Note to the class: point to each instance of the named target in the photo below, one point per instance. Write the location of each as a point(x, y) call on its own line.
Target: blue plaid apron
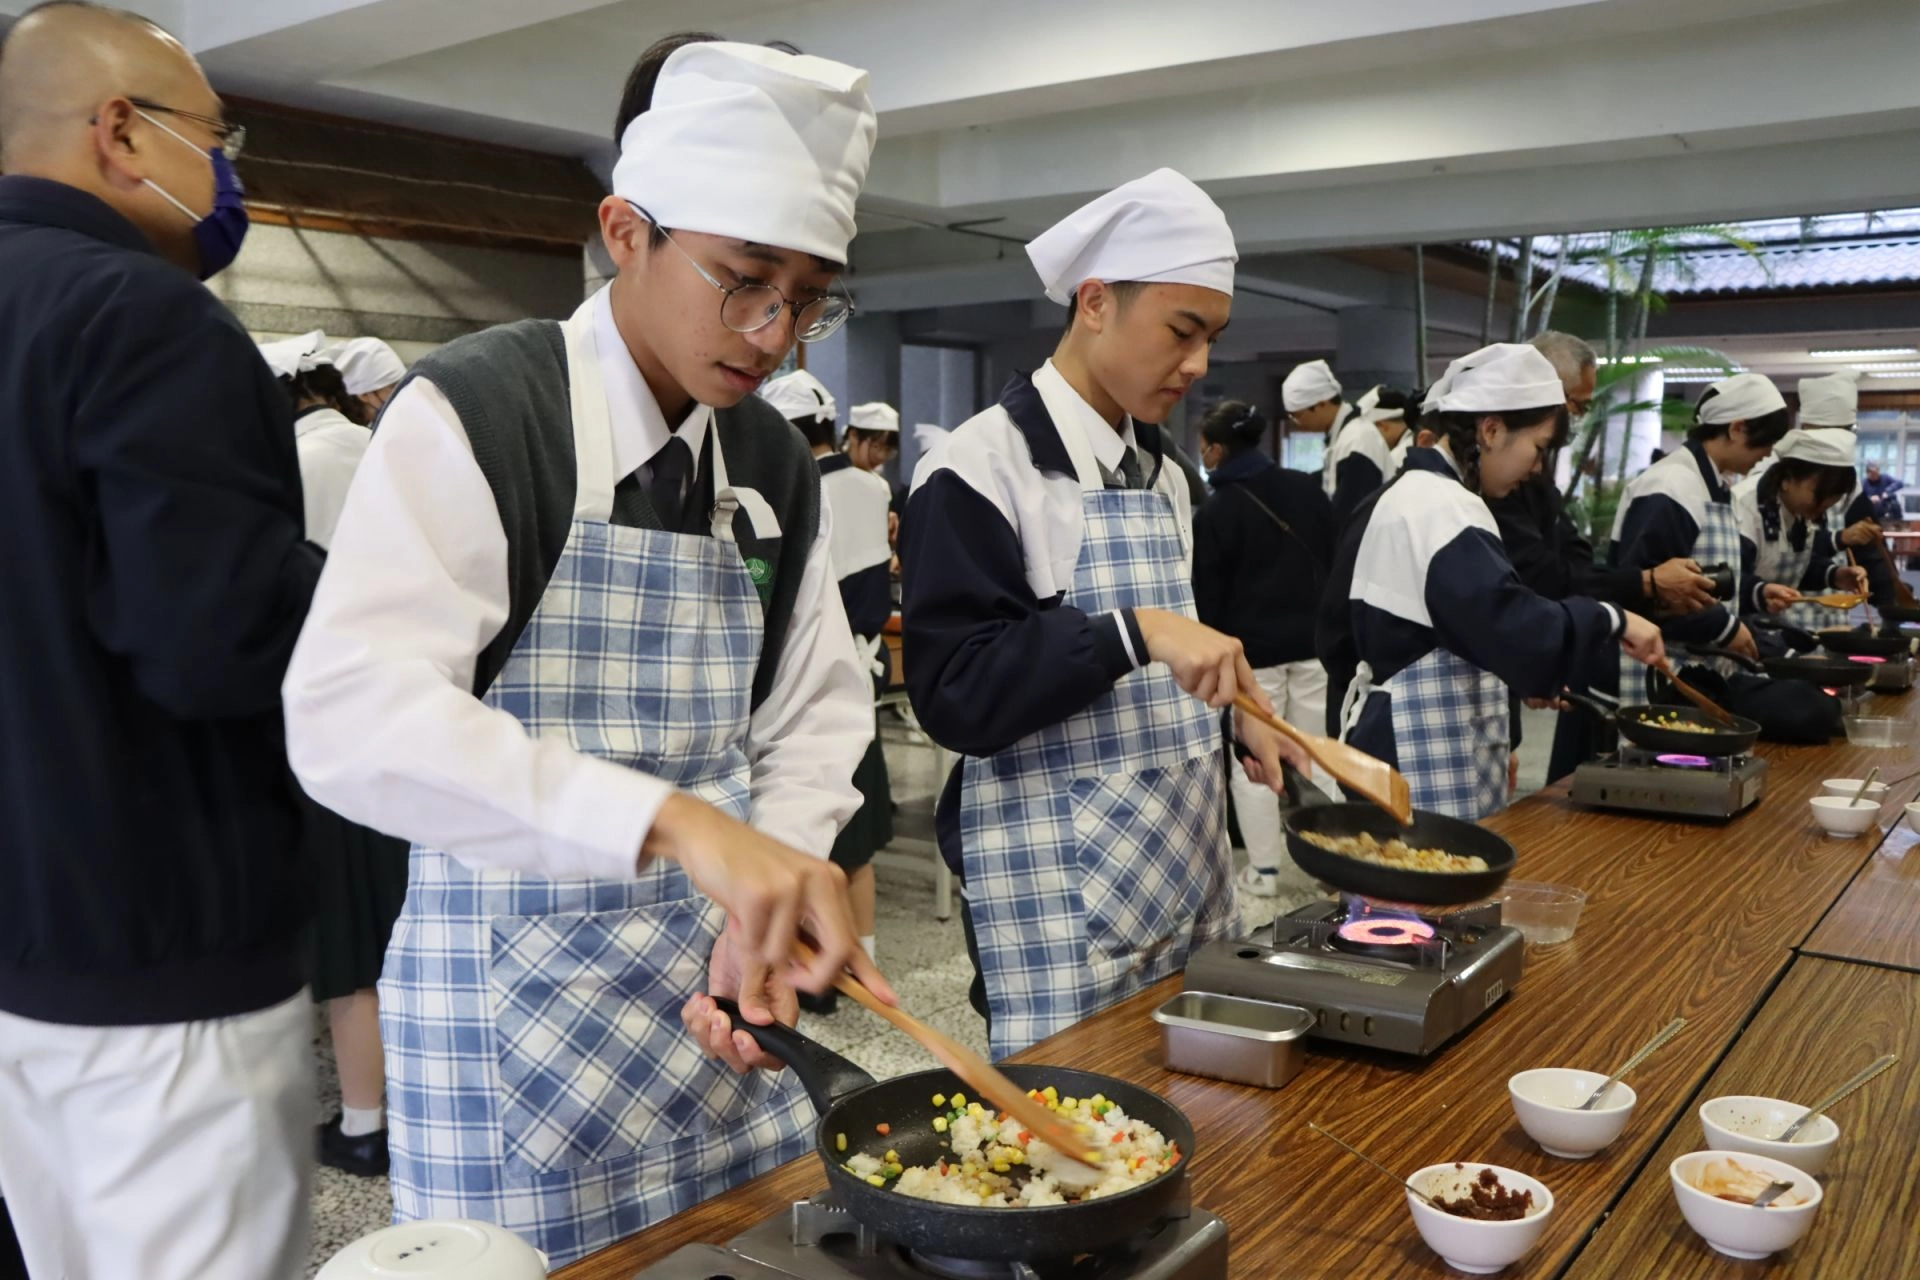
point(1450, 733)
point(1718, 542)
point(537, 1073)
point(1777, 561)
point(1096, 849)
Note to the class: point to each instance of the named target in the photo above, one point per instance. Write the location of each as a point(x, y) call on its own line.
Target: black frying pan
point(1798, 639)
point(1845, 640)
point(1370, 879)
point(850, 1103)
point(1833, 673)
point(1898, 612)
point(1633, 724)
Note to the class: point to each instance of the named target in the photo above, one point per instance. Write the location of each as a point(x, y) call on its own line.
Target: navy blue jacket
point(154, 581)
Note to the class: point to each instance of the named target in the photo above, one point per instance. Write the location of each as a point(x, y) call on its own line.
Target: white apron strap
point(592, 428)
point(1355, 700)
point(727, 500)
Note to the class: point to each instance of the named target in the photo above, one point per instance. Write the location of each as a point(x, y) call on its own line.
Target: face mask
point(217, 236)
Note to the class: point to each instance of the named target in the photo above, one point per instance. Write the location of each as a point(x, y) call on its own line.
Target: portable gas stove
point(818, 1240)
point(1677, 786)
point(1372, 974)
point(1895, 675)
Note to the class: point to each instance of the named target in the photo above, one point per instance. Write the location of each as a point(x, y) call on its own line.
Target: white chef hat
point(289, 356)
point(1823, 448)
point(1308, 385)
point(1160, 229)
point(1831, 400)
point(1498, 378)
point(752, 143)
point(1368, 407)
point(875, 415)
point(366, 364)
point(1741, 398)
point(799, 395)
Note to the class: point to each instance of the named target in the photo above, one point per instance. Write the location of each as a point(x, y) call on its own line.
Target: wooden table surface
point(1826, 1020)
point(1682, 918)
point(1877, 919)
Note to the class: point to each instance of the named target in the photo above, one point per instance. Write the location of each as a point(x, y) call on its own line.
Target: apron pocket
point(594, 1064)
point(1139, 840)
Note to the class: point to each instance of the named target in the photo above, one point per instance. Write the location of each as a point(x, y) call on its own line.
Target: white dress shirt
point(989, 452)
point(382, 723)
point(330, 446)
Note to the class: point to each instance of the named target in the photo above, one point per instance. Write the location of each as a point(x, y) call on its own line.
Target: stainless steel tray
point(1230, 1038)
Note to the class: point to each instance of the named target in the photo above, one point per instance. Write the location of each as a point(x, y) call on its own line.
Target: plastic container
point(1230, 1038)
point(1875, 731)
point(1543, 913)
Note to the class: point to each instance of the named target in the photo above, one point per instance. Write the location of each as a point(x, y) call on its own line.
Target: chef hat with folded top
point(1741, 398)
point(1831, 400)
point(1160, 229)
point(1308, 385)
point(290, 356)
point(875, 415)
point(366, 364)
point(1502, 378)
point(800, 397)
point(1822, 448)
point(1369, 407)
point(754, 144)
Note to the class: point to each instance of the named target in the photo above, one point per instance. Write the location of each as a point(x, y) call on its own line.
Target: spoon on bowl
point(1671, 1030)
point(1430, 1202)
point(1872, 1069)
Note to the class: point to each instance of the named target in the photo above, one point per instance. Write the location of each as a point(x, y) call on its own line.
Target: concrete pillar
point(1374, 345)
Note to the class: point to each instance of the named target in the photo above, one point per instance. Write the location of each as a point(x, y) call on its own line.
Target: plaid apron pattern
point(1777, 561)
point(1717, 543)
point(1096, 849)
point(1450, 732)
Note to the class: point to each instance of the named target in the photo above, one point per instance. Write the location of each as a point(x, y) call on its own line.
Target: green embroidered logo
point(759, 571)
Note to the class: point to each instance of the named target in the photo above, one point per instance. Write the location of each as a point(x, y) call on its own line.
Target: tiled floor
point(925, 958)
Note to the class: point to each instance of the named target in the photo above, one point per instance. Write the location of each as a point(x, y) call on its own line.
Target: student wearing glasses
point(578, 630)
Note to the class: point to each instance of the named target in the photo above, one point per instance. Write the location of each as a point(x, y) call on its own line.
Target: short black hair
point(887, 437)
point(324, 383)
point(1461, 431)
point(1123, 291)
point(1831, 483)
point(818, 431)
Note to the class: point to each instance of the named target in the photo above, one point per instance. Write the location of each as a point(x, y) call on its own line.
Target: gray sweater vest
point(509, 385)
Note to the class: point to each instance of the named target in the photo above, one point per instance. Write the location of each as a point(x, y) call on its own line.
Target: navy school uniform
point(1362, 462)
point(1087, 813)
point(1776, 546)
point(1425, 626)
point(859, 502)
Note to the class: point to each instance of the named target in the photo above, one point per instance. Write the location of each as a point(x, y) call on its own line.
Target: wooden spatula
point(1359, 772)
point(1836, 600)
point(1694, 696)
point(980, 1075)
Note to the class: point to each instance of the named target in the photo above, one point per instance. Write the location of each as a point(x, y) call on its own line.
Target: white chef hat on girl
point(289, 356)
point(1741, 398)
point(800, 396)
point(1161, 229)
point(1495, 379)
point(752, 143)
point(1830, 400)
point(1822, 448)
point(366, 364)
point(875, 415)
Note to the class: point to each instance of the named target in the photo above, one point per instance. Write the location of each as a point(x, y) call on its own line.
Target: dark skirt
point(360, 881)
point(871, 827)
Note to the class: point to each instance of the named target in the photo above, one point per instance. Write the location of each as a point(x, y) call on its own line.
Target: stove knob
point(1346, 1022)
point(1366, 1027)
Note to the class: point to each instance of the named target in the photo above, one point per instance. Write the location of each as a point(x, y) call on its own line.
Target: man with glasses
point(578, 630)
point(156, 1074)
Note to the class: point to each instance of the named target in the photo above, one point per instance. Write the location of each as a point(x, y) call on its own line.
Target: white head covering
point(1161, 229)
point(800, 395)
point(1495, 379)
point(1823, 448)
point(1831, 400)
point(753, 143)
point(875, 415)
point(1741, 398)
point(1308, 385)
point(366, 364)
point(289, 356)
point(1368, 407)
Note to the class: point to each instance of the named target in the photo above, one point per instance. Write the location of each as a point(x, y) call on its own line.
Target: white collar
point(1069, 410)
point(314, 419)
point(639, 428)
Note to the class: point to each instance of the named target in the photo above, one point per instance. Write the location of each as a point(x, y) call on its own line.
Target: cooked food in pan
point(1394, 852)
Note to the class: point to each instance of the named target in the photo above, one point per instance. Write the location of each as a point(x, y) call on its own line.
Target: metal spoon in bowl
point(1873, 1069)
point(1430, 1202)
point(1873, 775)
point(1773, 1192)
point(1672, 1029)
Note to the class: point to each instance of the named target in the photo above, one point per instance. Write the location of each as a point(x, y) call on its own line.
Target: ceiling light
point(1851, 353)
point(1896, 373)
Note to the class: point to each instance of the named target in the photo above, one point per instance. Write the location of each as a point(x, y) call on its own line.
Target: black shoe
point(364, 1156)
point(819, 1005)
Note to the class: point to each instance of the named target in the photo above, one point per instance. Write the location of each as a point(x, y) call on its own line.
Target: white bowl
point(1740, 1230)
point(1740, 1123)
point(1839, 816)
point(1913, 815)
point(1845, 787)
point(1467, 1244)
point(1547, 1101)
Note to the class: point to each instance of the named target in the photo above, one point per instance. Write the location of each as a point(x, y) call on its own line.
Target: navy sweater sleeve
point(1880, 579)
point(1658, 529)
point(1482, 611)
point(1355, 478)
point(1214, 551)
point(986, 662)
point(201, 578)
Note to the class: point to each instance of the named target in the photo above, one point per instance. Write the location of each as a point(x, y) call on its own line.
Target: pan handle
point(1590, 704)
point(1715, 651)
point(827, 1077)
